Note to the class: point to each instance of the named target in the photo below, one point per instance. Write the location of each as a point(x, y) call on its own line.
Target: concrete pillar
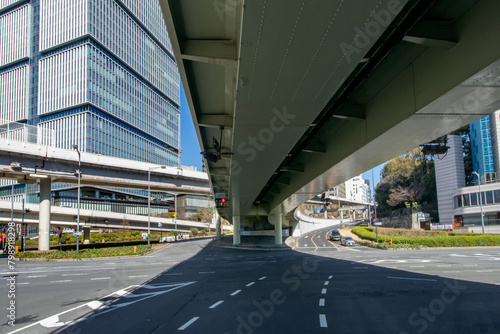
point(278, 232)
point(44, 215)
point(217, 226)
point(236, 232)
point(86, 235)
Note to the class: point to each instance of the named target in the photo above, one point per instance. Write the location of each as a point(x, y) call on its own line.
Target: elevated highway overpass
point(66, 217)
point(303, 95)
point(29, 163)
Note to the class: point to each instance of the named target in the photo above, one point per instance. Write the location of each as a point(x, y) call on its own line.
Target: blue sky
point(189, 142)
point(191, 149)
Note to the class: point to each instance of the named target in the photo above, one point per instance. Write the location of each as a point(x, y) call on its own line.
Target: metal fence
point(110, 205)
point(24, 133)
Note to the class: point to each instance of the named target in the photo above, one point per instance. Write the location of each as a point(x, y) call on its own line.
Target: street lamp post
point(75, 147)
point(149, 202)
point(480, 198)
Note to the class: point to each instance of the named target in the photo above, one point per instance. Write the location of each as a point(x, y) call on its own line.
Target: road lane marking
point(323, 291)
point(322, 320)
point(322, 302)
point(334, 244)
point(138, 276)
point(187, 324)
point(417, 266)
point(81, 274)
point(263, 277)
point(412, 278)
point(217, 304)
point(173, 274)
point(359, 267)
point(330, 277)
point(22, 283)
point(250, 284)
point(61, 281)
point(484, 271)
point(99, 278)
point(206, 272)
point(327, 282)
point(36, 276)
point(235, 293)
point(314, 242)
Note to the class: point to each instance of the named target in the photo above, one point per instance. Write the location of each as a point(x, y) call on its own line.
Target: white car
point(347, 241)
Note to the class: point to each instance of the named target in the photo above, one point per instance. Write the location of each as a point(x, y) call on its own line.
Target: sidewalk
point(251, 243)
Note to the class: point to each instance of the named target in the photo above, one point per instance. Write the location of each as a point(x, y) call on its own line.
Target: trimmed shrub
point(452, 240)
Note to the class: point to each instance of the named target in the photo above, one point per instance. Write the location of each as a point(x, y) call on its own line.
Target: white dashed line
point(217, 304)
point(322, 320)
point(330, 277)
point(36, 276)
point(82, 274)
point(61, 281)
point(417, 266)
point(187, 324)
point(263, 277)
point(22, 283)
point(327, 282)
point(250, 284)
point(323, 291)
point(173, 274)
point(99, 278)
point(206, 272)
point(484, 271)
point(235, 293)
point(413, 279)
point(322, 302)
point(138, 276)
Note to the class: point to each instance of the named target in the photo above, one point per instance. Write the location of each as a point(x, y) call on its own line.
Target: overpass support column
point(217, 225)
point(236, 232)
point(278, 229)
point(44, 215)
point(86, 235)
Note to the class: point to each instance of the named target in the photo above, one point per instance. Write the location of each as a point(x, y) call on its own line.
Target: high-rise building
point(482, 146)
point(101, 73)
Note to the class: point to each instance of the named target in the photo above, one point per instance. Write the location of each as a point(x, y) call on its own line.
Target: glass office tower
point(482, 146)
point(99, 72)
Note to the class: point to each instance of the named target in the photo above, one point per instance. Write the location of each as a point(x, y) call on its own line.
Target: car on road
point(335, 235)
point(347, 241)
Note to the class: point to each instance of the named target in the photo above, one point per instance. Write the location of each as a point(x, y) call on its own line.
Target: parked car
point(347, 241)
point(334, 235)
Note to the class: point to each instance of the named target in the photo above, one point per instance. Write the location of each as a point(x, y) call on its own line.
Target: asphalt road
point(307, 290)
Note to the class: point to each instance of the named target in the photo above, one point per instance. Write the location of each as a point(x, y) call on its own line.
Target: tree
point(205, 216)
point(407, 179)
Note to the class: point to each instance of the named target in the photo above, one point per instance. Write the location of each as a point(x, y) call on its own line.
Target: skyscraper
point(482, 146)
point(99, 72)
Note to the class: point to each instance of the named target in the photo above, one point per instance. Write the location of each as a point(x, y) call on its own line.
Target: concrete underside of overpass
point(305, 95)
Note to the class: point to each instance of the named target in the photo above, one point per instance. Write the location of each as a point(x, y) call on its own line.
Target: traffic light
point(220, 202)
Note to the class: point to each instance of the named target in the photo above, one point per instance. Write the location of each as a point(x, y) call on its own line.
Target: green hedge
point(85, 253)
point(452, 240)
